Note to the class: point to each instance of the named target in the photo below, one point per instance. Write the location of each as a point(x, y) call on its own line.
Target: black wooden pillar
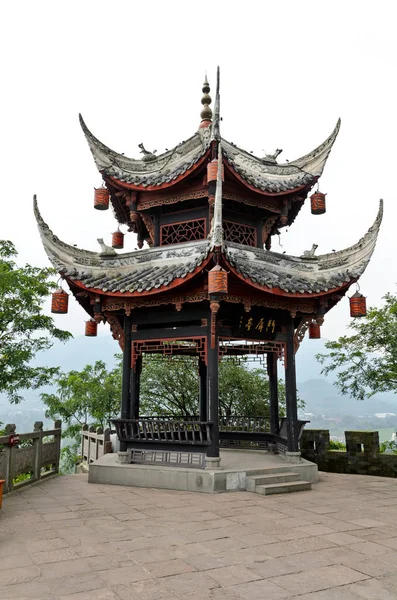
point(125, 389)
point(135, 388)
point(290, 389)
point(203, 391)
point(273, 393)
point(213, 388)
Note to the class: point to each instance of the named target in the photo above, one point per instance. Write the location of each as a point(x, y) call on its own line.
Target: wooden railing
point(164, 430)
point(234, 432)
point(35, 454)
point(95, 442)
point(232, 423)
point(242, 423)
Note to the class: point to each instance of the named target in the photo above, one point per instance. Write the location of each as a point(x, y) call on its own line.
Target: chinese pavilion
point(204, 281)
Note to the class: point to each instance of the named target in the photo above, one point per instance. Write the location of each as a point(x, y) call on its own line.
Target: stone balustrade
point(95, 442)
point(35, 454)
point(362, 455)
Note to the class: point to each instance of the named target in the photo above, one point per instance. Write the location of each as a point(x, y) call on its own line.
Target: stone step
point(253, 480)
point(283, 488)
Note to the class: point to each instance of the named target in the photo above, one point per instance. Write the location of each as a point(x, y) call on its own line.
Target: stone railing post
point(84, 442)
point(99, 432)
point(91, 429)
point(10, 430)
point(107, 444)
point(58, 441)
point(38, 450)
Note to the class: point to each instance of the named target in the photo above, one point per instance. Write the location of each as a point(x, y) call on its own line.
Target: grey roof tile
point(145, 270)
point(165, 168)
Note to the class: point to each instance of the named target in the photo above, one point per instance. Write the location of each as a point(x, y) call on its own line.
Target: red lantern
point(317, 201)
point(118, 240)
point(91, 328)
point(314, 331)
point(358, 305)
point(217, 281)
point(212, 171)
point(59, 302)
point(101, 198)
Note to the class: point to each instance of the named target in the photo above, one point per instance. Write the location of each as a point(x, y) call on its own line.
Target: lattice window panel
point(186, 231)
point(239, 233)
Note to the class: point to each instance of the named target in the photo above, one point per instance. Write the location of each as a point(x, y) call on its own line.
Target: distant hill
point(321, 397)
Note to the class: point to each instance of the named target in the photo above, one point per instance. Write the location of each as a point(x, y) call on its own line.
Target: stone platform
point(236, 466)
point(66, 539)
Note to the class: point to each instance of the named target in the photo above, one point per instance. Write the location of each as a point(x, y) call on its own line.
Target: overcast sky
point(134, 70)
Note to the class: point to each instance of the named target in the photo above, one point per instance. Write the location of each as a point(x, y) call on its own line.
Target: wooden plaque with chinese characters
point(259, 323)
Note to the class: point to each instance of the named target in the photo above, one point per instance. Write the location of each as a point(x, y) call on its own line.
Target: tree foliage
point(366, 362)
point(171, 386)
point(88, 396)
point(167, 387)
point(24, 329)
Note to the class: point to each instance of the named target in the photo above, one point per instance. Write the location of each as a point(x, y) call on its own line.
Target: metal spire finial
point(206, 112)
point(215, 127)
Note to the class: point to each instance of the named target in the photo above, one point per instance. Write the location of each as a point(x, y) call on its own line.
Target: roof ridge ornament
point(216, 233)
point(272, 158)
point(206, 111)
point(147, 156)
point(310, 253)
point(216, 135)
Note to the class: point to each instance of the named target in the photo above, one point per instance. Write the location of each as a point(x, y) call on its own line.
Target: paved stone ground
point(66, 539)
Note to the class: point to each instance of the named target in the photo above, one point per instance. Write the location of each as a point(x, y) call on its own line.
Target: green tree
point(88, 396)
point(171, 386)
point(81, 397)
point(245, 391)
point(366, 362)
point(24, 329)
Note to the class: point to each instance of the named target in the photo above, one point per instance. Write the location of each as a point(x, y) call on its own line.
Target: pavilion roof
point(158, 269)
point(164, 170)
point(303, 275)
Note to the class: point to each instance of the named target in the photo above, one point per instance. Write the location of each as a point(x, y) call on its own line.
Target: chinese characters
point(261, 325)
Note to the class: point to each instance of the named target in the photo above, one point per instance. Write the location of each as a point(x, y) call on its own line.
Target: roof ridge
point(216, 234)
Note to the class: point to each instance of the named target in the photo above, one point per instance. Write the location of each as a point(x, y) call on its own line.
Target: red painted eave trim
point(276, 291)
point(164, 288)
point(151, 188)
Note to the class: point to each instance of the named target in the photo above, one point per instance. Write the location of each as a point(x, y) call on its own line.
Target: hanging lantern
point(217, 281)
point(317, 201)
point(212, 171)
point(314, 331)
point(101, 198)
point(91, 328)
point(118, 240)
point(59, 302)
point(358, 305)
